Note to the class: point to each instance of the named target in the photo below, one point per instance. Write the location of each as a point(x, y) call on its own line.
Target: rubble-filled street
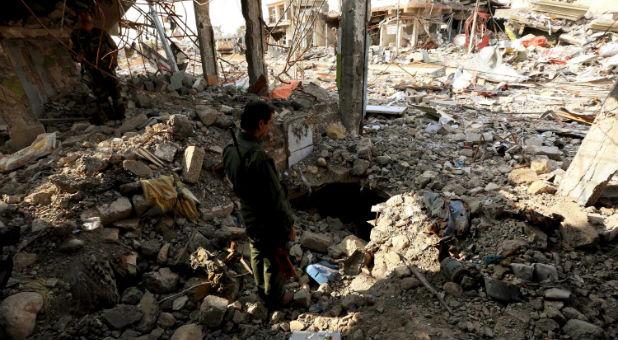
point(454, 212)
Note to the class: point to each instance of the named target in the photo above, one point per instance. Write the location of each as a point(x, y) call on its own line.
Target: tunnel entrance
point(349, 202)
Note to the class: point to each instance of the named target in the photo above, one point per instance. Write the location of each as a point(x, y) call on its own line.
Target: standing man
point(98, 55)
point(265, 210)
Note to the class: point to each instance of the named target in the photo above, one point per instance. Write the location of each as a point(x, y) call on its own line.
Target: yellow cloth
point(163, 192)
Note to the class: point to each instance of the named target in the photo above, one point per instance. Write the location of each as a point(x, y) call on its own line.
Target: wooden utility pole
point(206, 35)
point(398, 36)
point(254, 40)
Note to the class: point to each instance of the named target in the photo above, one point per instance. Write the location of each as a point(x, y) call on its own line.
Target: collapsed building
point(452, 166)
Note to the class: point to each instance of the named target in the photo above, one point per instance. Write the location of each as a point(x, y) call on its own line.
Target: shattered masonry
point(476, 198)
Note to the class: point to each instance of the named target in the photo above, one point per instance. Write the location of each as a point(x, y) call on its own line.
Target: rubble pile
point(472, 240)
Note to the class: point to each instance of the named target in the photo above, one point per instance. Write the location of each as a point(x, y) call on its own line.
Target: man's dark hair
point(253, 113)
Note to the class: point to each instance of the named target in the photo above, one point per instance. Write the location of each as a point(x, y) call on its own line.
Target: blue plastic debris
point(322, 272)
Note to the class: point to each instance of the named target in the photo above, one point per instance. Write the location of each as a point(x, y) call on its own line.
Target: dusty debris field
point(98, 259)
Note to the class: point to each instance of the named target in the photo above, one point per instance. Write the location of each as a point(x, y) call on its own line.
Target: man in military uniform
point(98, 55)
point(265, 211)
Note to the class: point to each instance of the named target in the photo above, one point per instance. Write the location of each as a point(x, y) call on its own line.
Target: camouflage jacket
point(264, 205)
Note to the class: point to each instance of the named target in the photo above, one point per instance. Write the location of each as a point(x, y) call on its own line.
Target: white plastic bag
point(43, 145)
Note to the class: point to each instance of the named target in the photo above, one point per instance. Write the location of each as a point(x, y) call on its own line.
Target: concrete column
point(20, 98)
point(206, 37)
point(355, 15)
point(414, 37)
point(254, 40)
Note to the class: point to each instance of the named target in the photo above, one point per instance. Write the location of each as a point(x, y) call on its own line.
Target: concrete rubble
point(494, 130)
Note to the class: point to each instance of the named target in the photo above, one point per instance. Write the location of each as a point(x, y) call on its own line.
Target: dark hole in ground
point(347, 201)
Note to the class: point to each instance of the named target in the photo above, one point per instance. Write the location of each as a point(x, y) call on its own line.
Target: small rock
point(523, 176)
point(579, 329)
point(166, 320)
point(509, 247)
point(163, 253)
point(540, 166)
point(18, 314)
point(296, 326)
point(557, 294)
point(321, 162)
point(277, 316)
point(115, 211)
point(191, 331)
point(547, 325)
point(257, 311)
point(137, 168)
point(180, 303)
point(360, 166)
point(131, 296)
point(314, 241)
point(409, 283)
point(213, 310)
point(523, 271)
point(545, 272)
point(303, 297)
point(453, 289)
point(492, 187)
point(162, 281)
point(541, 187)
point(166, 152)
point(572, 313)
point(151, 247)
point(122, 316)
point(207, 114)
point(150, 309)
point(181, 125)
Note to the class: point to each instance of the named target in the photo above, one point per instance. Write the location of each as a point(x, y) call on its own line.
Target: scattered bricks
point(523, 176)
point(194, 158)
point(207, 114)
point(541, 187)
point(115, 211)
point(314, 241)
point(540, 166)
point(161, 282)
point(137, 168)
point(213, 310)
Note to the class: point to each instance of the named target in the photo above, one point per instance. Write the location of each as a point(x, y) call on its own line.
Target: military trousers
point(268, 279)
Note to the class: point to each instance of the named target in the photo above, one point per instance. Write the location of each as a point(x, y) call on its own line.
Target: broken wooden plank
point(596, 160)
point(386, 110)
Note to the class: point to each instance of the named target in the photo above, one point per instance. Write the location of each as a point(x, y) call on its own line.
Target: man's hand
point(292, 236)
